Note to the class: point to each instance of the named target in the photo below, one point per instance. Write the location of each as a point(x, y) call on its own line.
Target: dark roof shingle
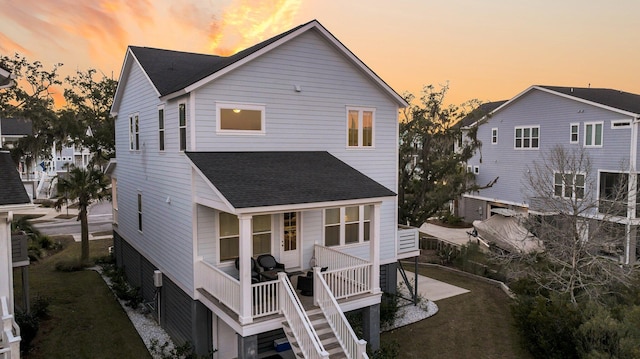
point(16, 127)
point(613, 98)
point(11, 188)
point(257, 179)
point(479, 113)
point(171, 71)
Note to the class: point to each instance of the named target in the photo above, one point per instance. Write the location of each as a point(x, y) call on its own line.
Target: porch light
point(236, 110)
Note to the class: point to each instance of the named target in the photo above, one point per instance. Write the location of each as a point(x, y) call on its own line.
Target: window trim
point(577, 126)
point(361, 110)
point(476, 170)
point(563, 188)
point(593, 133)
point(522, 138)
point(494, 136)
point(134, 132)
point(241, 106)
point(182, 136)
point(272, 230)
point(162, 138)
point(343, 223)
point(620, 124)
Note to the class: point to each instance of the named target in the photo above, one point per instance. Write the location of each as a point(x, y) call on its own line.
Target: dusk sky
point(489, 50)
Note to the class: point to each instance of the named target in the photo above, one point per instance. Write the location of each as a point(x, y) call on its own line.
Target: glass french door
point(290, 243)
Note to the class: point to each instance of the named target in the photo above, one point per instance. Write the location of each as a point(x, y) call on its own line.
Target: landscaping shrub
point(184, 351)
point(29, 325)
point(388, 309)
point(70, 265)
point(120, 287)
point(390, 350)
point(40, 306)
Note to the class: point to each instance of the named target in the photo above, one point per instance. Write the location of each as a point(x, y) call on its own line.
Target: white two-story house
point(521, 131)
point(288, 149)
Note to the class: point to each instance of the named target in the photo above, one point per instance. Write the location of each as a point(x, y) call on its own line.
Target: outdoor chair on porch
point(305, 283)
point(270, 266)
point(255, 270)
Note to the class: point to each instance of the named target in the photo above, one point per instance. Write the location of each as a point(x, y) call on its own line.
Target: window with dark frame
point(161, 129)
point(182, 110)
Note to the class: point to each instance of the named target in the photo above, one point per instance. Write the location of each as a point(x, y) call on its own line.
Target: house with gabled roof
point(602, 122)
point(13, 197)
point(286, 151)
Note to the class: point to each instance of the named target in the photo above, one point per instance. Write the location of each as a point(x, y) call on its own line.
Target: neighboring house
point(604, 122)
point(287, 148)
point(6, 78)
point(12, 197)
point(37, 173)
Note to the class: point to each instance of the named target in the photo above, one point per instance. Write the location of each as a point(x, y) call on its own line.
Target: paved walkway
point(431, 289)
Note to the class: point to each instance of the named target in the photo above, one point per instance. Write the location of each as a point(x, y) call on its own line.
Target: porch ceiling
point(263, 179)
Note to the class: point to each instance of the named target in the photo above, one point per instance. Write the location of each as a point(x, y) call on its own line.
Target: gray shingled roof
point(16, 127)
point(613, 98)
point(257, 179)
point(171, 71)
point(11, 188)
point(479, 113)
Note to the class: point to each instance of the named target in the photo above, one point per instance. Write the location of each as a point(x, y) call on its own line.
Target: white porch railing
point(329, 257)
point(354, 347)
point(265, 298)
point(10, 336)
point(347, 275)
point(300, 325)
point(222, 286)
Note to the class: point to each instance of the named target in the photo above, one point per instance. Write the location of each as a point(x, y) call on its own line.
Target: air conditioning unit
point(157, 278)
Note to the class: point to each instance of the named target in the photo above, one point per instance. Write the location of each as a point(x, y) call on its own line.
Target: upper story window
point(161, 128)
point(140, 212)
point(568, 185)
point(494, 136)
point(593, 134)
point(182, 125)
point(134, 132)
point(347, 225)
point(574, 133)
point(360, 127)
point(527, 137)
point(616, 124)
point(240, 118)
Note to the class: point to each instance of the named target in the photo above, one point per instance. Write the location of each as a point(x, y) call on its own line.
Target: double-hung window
point(568, 185)
point(347, 225)
point(229, 235)
point(161, 128)
point(527, 137)
point(134, 132)
point(574, 133)
point(360, 123)
point(182, 125)
point(237, 118)
point(494, 136)
point(593, 134)
point(140, 212)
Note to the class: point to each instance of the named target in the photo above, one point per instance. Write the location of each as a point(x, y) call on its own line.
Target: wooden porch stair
point(325, 334)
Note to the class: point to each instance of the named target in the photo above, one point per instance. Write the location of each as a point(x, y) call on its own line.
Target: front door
point(290, 242)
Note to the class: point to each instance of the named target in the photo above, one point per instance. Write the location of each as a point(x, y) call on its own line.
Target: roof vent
point(572, 90)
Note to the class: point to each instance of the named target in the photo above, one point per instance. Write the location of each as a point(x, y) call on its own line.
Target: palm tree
point(86, 186)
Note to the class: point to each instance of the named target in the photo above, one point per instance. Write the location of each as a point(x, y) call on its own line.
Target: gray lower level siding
point(184, 319)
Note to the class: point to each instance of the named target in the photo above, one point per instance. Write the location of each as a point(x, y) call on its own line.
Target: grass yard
point(477, 324)
point(85, 320)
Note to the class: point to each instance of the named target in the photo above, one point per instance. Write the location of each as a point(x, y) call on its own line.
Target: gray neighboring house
point(6, 78)
point(12, 197)
point(514, 134)
point(286, 149)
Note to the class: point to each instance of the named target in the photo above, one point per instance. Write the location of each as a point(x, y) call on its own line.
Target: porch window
point(230, 236)
point(613, 193)
point(568, 185)
point(347, 225)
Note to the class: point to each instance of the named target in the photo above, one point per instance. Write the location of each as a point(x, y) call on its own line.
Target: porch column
point(245, 251)
point(6, 273)
point(374, 249)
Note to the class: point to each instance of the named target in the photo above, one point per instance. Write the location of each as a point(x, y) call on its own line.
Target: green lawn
point(85, 320)
point(477, 324)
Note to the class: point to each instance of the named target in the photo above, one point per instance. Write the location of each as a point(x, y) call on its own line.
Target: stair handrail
point(354, 348)
point(295, 314)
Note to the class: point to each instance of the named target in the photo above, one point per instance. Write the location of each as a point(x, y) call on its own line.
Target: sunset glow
point(490, 50)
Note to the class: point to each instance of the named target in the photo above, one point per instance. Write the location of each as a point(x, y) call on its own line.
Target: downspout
point(633, 185)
